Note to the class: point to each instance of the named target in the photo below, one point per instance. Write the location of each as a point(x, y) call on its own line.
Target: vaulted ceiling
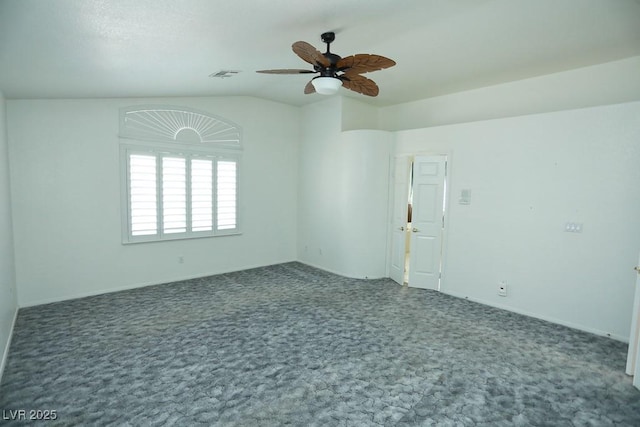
point(150, 48)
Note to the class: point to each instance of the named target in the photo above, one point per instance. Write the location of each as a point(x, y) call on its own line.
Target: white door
point(633, 358)
point(399, 218)
point(427, 221)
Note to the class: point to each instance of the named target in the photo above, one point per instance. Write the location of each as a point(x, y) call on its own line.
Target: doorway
point(633, 355)
point(418, 220)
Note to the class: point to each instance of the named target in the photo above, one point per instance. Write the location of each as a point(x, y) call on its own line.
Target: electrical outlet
point(502, 289)
point(573, 227)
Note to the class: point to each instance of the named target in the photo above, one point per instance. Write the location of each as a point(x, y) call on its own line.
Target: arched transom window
point(180, 172)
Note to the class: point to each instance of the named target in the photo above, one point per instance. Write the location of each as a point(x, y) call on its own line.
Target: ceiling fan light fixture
point(329, 66)
point(326, 85)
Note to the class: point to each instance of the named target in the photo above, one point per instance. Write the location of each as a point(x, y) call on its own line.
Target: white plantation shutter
point(226, 195)
point(172, 196)
point(143, 198)
point(201, 195)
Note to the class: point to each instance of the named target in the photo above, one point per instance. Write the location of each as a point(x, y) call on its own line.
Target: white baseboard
point(537, 316)
point(339, 273)
point(454, 294)
point(5, 353)
point(136, 285)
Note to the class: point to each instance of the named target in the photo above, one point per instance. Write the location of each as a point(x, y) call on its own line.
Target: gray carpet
point(293, 345)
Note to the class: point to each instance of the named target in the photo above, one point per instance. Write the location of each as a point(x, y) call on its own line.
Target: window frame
point(159, 149)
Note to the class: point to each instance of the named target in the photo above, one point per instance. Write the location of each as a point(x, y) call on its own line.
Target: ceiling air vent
point(224, 74)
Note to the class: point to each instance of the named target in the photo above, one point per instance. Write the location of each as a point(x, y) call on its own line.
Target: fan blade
point(364, 63)
point(285, 71)
point(309, 88)
point(360, 84)
point(310, 54)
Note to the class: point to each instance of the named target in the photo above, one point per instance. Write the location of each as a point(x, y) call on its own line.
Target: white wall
point(610, 83)
point(343, 191)
point(318, 227)
point(358, 115)
point(362, 180)
point(528, 176)
point(8, 303)
point(65, 177)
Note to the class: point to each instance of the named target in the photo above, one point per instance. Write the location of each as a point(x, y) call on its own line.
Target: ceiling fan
point(335, 71)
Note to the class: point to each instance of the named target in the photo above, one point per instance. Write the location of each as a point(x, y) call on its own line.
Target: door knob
point(401, 229)
point(415, 230)
point(637, 268)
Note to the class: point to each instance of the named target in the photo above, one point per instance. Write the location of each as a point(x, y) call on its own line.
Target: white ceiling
point(149, 48)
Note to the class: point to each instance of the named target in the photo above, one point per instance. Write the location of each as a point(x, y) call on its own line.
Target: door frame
point(447, 206)
point(633, 354)
point(408, 161)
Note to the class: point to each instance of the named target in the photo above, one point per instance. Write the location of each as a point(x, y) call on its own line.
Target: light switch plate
point(465, 197)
